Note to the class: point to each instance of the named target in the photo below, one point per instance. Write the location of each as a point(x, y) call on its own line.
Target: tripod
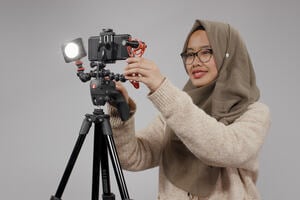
point(102, 90)
point(103, 140)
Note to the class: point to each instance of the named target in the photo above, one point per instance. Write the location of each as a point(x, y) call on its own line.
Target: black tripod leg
point(85, 127)
point(115, 159)
point(101, 156)
point(96, 163)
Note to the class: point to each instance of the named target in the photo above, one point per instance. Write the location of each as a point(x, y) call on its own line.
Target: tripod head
point(103, 88)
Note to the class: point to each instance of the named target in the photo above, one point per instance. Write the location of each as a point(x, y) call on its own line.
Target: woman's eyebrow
point(202, 47)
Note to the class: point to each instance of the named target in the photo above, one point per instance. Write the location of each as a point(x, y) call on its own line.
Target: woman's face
point(200, 72)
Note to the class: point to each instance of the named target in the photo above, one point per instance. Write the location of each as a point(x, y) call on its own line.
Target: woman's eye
point(205, 52)
point(189, 54)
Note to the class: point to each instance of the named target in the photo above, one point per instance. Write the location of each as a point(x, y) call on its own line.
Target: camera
point(108, 47)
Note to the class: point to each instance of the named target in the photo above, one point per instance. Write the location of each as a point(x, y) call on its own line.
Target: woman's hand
point(145, 71)
point(120, 87)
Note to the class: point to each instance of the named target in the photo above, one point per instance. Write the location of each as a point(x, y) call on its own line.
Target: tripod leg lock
point(86, 125)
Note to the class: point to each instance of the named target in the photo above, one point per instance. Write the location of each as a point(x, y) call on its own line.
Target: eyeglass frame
point(194, 54)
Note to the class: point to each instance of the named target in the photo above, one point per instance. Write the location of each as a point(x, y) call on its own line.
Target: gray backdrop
point(43, 102)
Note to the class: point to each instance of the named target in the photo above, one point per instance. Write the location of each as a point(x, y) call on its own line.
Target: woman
point(207, 137)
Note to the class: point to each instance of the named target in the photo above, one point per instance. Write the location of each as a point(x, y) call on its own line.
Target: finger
point(140, 71)
point(140, 65)
point(119, 87)
point(140, 62)
point(133, 59)
point(122, 89)
point(133, 78)
point(132, 65)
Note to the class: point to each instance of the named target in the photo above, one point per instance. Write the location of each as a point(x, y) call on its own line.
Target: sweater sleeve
point(137, 150)
point(211, 141)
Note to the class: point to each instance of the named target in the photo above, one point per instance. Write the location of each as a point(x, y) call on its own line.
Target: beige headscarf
point(225, 99)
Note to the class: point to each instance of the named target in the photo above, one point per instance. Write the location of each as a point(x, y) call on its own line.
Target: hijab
point(225, 99)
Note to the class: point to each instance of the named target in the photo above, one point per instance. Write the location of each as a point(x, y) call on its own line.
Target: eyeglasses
point(204, 55)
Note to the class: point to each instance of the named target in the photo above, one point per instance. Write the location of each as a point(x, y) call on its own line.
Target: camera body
point(108, 47)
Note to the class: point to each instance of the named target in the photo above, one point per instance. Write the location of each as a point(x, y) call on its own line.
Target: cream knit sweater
point(235, 147)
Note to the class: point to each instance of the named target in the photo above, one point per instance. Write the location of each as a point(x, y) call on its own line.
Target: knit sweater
point(234, 147)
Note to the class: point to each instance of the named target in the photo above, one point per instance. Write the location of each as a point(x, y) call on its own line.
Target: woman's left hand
point(145, 71)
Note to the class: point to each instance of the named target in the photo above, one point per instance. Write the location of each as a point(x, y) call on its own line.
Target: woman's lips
point(198, 73)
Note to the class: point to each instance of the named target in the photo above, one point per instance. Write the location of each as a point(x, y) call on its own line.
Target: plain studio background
point(43, 102)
